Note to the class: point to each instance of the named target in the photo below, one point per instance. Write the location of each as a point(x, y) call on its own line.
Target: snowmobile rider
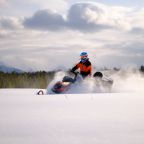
point(84, 65)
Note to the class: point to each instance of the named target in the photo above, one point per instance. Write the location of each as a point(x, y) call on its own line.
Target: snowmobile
point(66, 83)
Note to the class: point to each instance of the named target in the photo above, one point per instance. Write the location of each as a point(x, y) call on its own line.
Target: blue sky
point(46, 35)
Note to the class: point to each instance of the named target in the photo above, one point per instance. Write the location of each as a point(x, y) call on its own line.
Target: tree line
point(39, 79)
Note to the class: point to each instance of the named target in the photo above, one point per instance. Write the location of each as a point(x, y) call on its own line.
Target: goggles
point(83, 57)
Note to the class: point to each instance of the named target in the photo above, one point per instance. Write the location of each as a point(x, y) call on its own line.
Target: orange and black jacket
point(85, 68)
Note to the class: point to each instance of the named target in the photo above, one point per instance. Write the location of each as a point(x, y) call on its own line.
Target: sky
point(50, 35)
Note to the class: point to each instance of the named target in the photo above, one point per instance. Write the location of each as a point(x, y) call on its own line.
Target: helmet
point(84, 56)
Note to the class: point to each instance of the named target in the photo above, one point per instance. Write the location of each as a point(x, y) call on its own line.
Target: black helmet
point(98, 74)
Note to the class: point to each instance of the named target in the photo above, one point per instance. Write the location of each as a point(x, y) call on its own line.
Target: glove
point(70, 71)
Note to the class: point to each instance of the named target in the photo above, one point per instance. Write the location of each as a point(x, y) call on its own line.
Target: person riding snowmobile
point(84, 65)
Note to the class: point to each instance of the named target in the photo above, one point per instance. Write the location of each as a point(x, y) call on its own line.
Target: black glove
point(70, 71)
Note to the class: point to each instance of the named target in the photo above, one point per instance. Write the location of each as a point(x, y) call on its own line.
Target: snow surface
point(102, 118)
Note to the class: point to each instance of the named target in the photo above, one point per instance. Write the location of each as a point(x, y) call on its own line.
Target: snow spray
point(128, 81)
point(124, 80)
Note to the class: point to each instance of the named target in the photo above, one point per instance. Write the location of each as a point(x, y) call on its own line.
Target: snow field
point(102, 118)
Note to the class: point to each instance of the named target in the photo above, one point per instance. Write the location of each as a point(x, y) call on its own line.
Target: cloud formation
point(87, 17)
point(45, 20)
point(81, 16)
point(10, 23)
point(84, 17)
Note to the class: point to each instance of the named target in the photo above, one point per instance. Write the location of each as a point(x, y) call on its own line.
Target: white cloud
point(45, 19)
point(10, 23)
point(88, 17)
point(136, 18)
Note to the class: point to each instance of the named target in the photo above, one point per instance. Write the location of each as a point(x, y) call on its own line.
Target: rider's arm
point(75, 67)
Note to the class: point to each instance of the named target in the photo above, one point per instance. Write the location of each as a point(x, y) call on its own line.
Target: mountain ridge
point(8, 69)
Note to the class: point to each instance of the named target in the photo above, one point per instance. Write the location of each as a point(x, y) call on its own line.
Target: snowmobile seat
point(68, 79)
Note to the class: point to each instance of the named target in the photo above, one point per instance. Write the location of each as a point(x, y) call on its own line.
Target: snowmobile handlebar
point(74, 72)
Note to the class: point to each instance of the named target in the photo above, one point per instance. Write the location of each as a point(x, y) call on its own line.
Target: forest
point(26, 79)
